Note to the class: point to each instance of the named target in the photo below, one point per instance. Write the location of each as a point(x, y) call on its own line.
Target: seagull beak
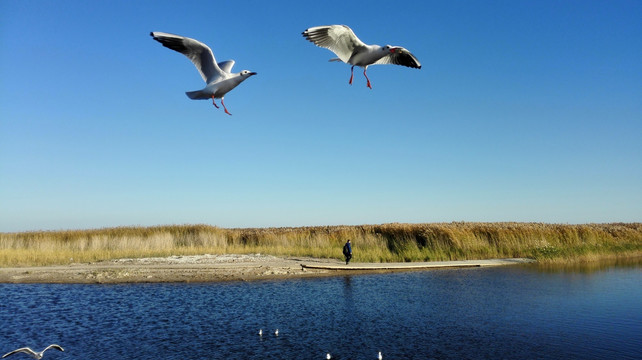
point(252, 73)
point(392, 51)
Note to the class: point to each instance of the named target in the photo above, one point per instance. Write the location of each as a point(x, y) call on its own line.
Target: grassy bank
point(371, 243)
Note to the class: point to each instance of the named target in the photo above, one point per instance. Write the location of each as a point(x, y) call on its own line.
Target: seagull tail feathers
point(198, 95)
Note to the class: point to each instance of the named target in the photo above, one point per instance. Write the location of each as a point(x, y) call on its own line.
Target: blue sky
point(522, 111)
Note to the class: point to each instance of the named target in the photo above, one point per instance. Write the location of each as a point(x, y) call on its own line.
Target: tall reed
point(371, 243)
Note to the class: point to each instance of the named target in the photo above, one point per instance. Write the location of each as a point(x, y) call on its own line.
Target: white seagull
point(33, 354)
point(218, 77)
point(342, 41)
point(380, 357)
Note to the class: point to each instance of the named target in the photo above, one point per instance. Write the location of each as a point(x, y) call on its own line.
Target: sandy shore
point(208, 268)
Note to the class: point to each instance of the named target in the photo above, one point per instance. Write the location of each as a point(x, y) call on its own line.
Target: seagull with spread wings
point(217, 76)
point(342, 41)
point(33, 354)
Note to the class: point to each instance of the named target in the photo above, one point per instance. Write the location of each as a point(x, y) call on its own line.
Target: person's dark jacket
point(347, 249)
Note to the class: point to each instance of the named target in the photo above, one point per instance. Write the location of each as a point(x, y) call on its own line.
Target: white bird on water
point(342, 41)
point(276, 332)
point(380, 357)
point(33, 354)
point(260, 332)
point(217, 76)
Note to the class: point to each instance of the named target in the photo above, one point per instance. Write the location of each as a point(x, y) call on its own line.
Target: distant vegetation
point(371, 243)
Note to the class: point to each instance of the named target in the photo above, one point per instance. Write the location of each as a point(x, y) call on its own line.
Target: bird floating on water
point(260, 332)
point(342, 41)
point(328, 356)
point(217, 76)
point(380, 357)
point(276, 332)
point(33, 354)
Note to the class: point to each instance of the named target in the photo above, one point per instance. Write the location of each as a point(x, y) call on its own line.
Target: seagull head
point(246, 74)
point(389, 49)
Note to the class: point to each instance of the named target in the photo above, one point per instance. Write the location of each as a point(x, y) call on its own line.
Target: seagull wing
point(339, 39)
point(200, 54)
point(400, 56)
point(25, 350)
point(54, 346)
point(226, 66)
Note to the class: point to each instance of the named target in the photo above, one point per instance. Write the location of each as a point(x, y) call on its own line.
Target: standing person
point(347, 251)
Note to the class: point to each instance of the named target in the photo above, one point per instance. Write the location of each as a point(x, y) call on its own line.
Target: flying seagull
point(342, 41)
point(33, 354)
point(217, 76)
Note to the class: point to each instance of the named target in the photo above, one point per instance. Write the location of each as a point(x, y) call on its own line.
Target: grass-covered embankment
point(371, 243)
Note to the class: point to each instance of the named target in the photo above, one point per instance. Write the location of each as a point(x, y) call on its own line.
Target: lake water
point(511, 312)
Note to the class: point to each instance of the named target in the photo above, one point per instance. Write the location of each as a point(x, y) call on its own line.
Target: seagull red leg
point(222, 103)
point(351, 74)
point(364, 74)
point(214, 102)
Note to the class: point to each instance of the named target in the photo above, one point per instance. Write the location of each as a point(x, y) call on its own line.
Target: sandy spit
point(195, 268)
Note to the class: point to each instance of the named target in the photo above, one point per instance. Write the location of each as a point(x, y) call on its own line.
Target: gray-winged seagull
point(342, 41)
point(218, 77)
point(33, 354)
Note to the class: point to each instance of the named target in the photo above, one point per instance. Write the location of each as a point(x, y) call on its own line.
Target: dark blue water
point(495, 313)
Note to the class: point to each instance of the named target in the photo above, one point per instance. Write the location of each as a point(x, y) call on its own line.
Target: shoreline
point(215, 268)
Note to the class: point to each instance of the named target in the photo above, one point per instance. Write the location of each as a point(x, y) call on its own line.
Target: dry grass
point(372, 243)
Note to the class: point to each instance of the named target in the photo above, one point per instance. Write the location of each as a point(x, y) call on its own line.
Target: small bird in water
point(380, 357)
point(217, 76)
point(276, 332)
point(342, 41)
point(328, 356)
point(260, 332)
point(33, 354)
